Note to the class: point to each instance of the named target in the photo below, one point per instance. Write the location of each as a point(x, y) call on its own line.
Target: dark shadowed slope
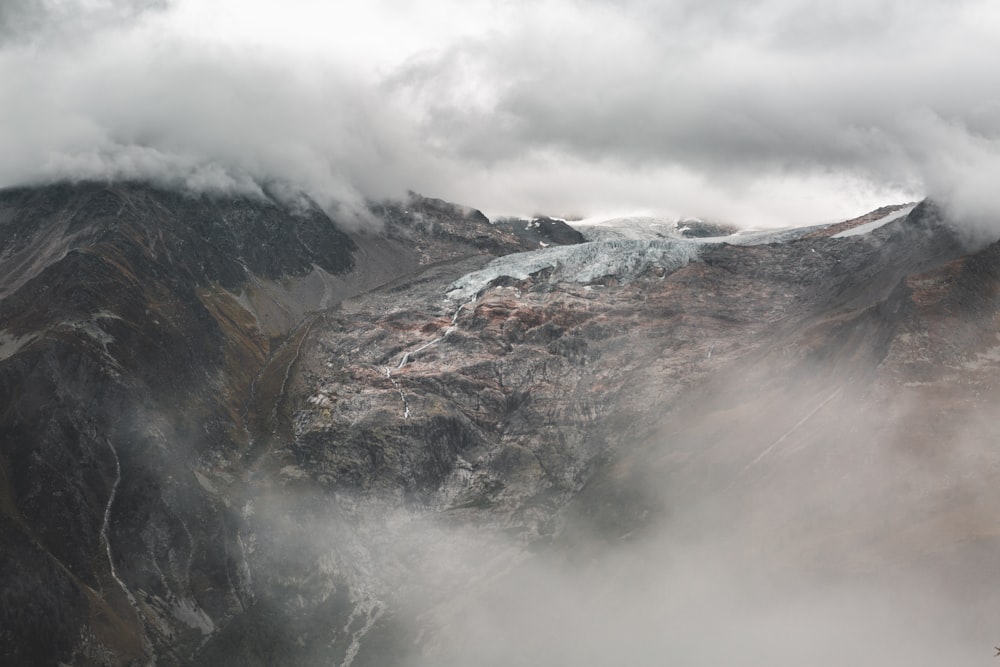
point(134, 324)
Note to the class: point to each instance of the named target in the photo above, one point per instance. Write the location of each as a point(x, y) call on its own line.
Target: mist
point(685, 606)
point(769, 114)
point(824, 496)
point(784, 515)
point(819, 552)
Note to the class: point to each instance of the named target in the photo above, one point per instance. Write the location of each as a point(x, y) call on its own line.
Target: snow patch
point(105, 535)
point(399, 388)
point(764, 237)
point(190, 614)
point(205, 483)
point(92, 327)
point(320, 400)
point(11, 345)
point(875, 224)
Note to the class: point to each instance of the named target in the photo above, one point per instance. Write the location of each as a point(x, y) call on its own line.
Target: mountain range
point(235, 431)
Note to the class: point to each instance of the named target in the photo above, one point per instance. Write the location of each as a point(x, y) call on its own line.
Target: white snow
point(763, 237)
point(11, 345)
point(320, 400)
point(406, 355)
point(399, 388)
point(106, 523)
point(875, 224)
point(189, 613)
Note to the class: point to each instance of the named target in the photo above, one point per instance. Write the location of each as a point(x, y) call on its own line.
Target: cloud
point(197, 115)
point(769, 90)
point(828, 544)
point(768, 112)
point(39, 20)
point(686, 606)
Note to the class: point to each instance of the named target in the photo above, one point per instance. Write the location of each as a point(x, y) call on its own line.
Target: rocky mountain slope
point(234, 433)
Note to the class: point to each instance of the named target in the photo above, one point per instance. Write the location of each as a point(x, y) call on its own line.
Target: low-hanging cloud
point(766, 113)
point(194, 115)
point(824, 551)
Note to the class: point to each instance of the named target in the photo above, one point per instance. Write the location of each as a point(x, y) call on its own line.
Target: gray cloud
point(638, 94)
point(195, 115)
point(769, 110)
point(770, 87)
point(27, 20)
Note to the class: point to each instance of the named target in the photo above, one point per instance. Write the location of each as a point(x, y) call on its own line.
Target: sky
point(760, 112)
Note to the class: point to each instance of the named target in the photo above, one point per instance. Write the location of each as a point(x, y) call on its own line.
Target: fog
point(668, 605)
point(836, 547)
point(785, 516)
point(827, 497)
point(768, 113)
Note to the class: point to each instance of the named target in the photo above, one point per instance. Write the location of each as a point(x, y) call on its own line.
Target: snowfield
point(875, 224)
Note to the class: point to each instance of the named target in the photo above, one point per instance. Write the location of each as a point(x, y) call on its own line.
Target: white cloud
point(769, 111)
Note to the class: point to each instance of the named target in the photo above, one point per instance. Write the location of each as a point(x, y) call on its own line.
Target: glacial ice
point(582, 263)
point(624, 248)
point(635, 228)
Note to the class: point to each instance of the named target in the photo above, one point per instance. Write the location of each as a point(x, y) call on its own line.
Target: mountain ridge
point(234, 433)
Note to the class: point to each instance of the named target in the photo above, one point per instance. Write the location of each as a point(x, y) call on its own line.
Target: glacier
point(623, 258)
point(582, 263)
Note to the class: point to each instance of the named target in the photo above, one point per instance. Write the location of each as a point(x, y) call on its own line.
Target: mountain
point(540, 232)
point(236, 432)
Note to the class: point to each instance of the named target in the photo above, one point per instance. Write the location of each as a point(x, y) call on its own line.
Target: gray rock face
point(233, 434)
point(540, 232)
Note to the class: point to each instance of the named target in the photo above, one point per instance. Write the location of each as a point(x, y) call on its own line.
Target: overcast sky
point(758, 111)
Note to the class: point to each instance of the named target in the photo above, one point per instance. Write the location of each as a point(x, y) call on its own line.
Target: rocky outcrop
point(540, 232)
